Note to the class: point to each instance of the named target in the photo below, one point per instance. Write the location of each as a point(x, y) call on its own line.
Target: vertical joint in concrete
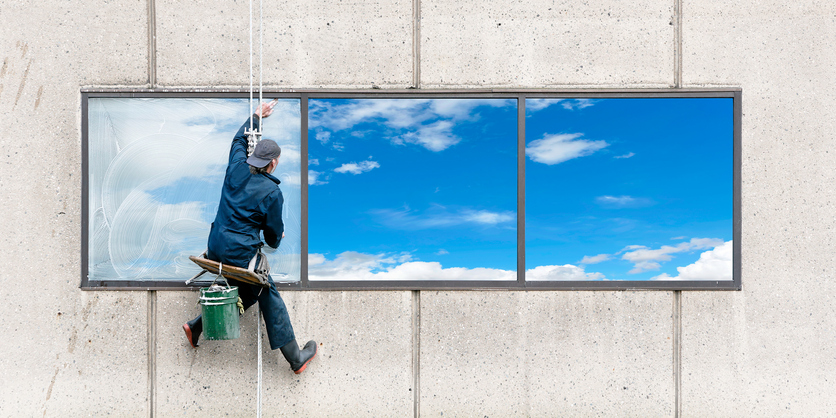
point(152, 44)
point(677, 43)
point(416, 352)
point(677, 352)
point(416, 44)
point(152, 352)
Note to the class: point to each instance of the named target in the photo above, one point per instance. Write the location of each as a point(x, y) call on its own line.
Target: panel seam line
point(152, 352)
point(416, 352)
point(677, 62)
point(677, 352)
point(416, 44)
point(152, 44)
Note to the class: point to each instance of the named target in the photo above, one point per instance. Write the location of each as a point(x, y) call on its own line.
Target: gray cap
point(265, 151)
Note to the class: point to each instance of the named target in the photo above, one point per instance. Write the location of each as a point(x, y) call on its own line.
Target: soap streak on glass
point(156, 167)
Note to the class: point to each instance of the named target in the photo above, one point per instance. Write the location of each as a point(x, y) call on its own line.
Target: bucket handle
point(220, 274)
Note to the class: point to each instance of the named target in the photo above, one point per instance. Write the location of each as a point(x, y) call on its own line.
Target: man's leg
point(280, 331)
point(276, 318)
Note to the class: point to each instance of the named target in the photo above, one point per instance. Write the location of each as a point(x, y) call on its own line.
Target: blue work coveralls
point(250, 204)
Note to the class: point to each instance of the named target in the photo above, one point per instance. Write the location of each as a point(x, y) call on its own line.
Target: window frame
point(303, 95)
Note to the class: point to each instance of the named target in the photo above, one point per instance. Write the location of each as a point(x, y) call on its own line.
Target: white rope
point(258, 333)
point(253, 138)
point(260, 57)
point(251, 64)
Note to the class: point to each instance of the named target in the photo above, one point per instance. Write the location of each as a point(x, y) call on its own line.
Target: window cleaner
point(251, 205)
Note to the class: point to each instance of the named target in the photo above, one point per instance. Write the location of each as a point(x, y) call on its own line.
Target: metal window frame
point(519, 94)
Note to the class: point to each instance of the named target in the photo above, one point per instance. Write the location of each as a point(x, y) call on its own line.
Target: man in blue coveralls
point(251, 202)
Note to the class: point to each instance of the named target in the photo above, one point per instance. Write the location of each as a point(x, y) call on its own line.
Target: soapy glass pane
point(629, 189)
point(412, 189)
point(156, 166)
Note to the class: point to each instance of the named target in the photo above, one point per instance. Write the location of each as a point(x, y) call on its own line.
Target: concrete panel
point(73, 355)
point(306, 44)
point(65, 352)
point(767, 351)
point(547, 43)
point(217, 378)
point(363, 368)
point(546, 354)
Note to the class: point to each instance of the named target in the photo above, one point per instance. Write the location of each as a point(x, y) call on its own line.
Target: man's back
point(250, 203)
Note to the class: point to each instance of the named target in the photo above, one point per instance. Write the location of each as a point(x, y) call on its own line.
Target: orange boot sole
point(304, 366)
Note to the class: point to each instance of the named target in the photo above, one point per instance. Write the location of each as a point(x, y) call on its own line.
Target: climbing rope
point(253, 136)
point(258, 324)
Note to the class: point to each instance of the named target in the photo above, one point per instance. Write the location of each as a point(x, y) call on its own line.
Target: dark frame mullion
point(85, 194)
point(303, 272)
point(520, 94)
point(521, 190)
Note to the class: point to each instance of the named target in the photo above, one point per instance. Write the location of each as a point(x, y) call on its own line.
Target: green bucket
point(220, 313)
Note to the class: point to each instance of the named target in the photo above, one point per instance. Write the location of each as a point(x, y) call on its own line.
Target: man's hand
point(265, 109)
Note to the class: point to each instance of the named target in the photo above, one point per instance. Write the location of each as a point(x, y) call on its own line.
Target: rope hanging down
point(254, 135)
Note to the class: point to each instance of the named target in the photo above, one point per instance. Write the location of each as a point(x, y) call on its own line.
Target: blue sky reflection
point(412, 189)
point(629, 189)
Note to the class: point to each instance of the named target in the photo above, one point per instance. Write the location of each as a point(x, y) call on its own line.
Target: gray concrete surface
point(764, 351)
point(546, 43)
point(217, 378)
point(362, 368)
point(306, 44)
point(364, 365)
point(768, 350)
point(546, 354)
point(64, 352)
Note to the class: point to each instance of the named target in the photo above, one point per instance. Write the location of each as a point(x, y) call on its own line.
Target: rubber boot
point(299, 359)
point(193, 329)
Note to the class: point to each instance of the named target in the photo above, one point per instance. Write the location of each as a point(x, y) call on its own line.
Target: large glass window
point(629, 189)
point(155, 167)
point(412, 189)
point(427, 190)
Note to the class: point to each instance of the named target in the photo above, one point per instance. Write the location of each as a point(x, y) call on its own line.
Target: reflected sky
point(425, 189)
point(155, 175)
point(629, 189)
point(412, 189)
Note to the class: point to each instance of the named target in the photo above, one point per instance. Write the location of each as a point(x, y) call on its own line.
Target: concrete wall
point(764, 351)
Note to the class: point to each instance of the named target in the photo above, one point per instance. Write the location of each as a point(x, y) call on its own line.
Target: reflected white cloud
point(436, 137)
point(564, 272)
point(623, 202)
point(357, 168)
point(595, 259)
point(316, 178)
point(323, 137)
point(646, 259)
point(441, 217)
point(536, 105)
point(715, 264)
point(575, 104)
point(425, 122)
point(555, 149)
point(352, 265)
